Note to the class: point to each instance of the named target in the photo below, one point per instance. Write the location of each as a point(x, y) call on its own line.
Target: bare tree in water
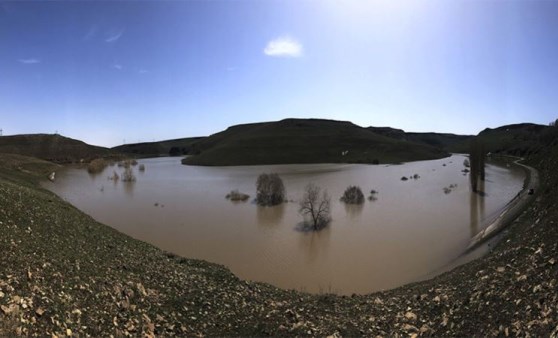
point(316, 205)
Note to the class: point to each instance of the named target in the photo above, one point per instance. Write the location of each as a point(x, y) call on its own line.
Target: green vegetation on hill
point(51, 147)
point(305, 141)
point(522, 139)
point(439, 140)
point(176, 147)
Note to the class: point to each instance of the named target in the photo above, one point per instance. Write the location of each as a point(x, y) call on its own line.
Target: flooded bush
point(96, 166)
point(416, 176)
point(235, 195)
point(269, 190)
point(114, 176)
point(404, 178)
point(128, 175)
point(449, 188)
point(373, 195)
point(142, 167)
point(353, 195)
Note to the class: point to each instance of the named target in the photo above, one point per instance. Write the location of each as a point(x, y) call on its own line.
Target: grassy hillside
point(522, 139)
point(51, 147)
point(304, 141)
point(175, 147)
point(440, 140)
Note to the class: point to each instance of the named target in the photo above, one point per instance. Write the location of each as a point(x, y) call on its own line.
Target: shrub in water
point(96, 166)
point(269, 190)
point(235, 195)
point(353, 195)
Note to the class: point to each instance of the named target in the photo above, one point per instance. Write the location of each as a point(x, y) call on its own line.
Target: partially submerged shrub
point(449, 188)
point(404, 178)
point(128, 175)
point(114, 176)
point(142, 167)
point(235, 195)
point(372, 196)
point(416, 176)
point(353, 195)
point(269, 190)
point(96, 166)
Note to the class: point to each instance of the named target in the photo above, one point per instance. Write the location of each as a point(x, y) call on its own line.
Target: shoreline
point(511, 211)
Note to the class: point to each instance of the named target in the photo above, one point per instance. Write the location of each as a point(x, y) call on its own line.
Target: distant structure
point(0, 132)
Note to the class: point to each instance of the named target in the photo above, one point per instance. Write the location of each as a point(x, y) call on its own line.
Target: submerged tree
point(477, 159)
point(269, 190)
point(315, 206)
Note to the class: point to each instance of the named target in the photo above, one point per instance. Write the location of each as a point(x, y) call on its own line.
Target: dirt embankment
point(63, 273)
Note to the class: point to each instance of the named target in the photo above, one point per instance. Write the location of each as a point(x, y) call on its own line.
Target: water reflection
point(315, 243)
point(269, 216)
point(353, 210)
point(477, 208)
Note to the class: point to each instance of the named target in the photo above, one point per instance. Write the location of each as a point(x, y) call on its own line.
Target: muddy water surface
point(412, 229)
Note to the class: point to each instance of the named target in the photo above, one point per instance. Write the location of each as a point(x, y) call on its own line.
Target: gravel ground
point(64, 274)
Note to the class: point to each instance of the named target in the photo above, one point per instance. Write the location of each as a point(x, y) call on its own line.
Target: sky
point(113, 72)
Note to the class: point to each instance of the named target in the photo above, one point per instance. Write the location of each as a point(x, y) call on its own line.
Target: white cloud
point(29, 61)
point(117, 66)
point(283, 47)
point(114, 36)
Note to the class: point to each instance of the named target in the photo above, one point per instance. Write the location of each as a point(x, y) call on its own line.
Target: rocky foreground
point(63, 274)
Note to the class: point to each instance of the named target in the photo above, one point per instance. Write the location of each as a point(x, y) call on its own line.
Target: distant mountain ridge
point(51, 147)
point(305, 141)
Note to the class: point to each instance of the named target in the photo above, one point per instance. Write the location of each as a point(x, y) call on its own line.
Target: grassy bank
point(64, 273)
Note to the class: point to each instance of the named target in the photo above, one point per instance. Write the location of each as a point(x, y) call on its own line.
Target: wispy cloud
point(283, 47)
point(113, 37)
point(90, 33)
point(117, 66)
point(29, 61)
point(143, 71)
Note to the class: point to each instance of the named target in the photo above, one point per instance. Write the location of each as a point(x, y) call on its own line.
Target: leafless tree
point(316, 206)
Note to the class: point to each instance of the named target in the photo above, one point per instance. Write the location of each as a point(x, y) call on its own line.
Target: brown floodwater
point(412, 229)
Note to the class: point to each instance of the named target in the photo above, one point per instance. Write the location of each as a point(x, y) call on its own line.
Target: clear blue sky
point(105, 72)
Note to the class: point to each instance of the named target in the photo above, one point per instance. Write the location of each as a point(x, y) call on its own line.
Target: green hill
point(522, 139)
point(439, 140)
point(305, 141)
point(51, 147)
point(175, 147)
